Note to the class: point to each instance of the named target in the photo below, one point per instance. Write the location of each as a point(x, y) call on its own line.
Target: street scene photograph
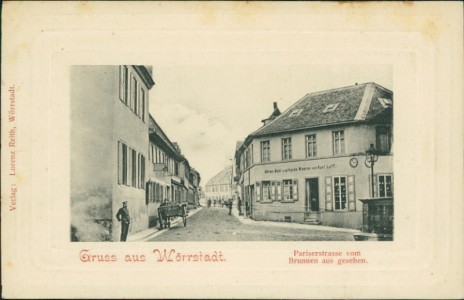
point(232, 152)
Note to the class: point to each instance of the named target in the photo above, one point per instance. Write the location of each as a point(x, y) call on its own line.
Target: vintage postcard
point(232, 150)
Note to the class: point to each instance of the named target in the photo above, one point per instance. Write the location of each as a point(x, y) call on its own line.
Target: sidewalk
point(145, 235)
point(245, 220)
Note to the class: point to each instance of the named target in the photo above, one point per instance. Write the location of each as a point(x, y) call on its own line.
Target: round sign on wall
point(354, 162)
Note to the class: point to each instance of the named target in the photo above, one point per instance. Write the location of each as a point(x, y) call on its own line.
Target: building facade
point(309, 163)
point(112, 158)
point(219, 188)
point(109, 126)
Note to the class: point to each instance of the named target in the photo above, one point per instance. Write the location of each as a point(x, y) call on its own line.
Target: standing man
point(124, 217)
point(230, 206)
point(239, 204)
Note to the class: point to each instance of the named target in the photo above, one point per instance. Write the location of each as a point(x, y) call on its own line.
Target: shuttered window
point(266, 189)
point(339, 193)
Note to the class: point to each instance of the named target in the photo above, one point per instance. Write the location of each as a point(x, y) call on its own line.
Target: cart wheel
point(185, 220)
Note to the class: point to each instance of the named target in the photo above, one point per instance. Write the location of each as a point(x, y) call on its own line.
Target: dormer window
point(296, 112)
point(386, 103)
point(330, 107)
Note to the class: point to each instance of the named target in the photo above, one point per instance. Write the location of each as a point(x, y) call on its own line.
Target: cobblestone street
point(214, 224)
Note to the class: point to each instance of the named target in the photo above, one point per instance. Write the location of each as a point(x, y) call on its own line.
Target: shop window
point(385, 185)
point(286, 148)
point(290, 190)
point(338, 138)
point(339, 193)
point(311, 147)
point(266, 187)
point(265, 151)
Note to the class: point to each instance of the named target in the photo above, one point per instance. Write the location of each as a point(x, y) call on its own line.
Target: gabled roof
point(222, 177)
point(155, 130)
point(357, 103)
point(145, 73)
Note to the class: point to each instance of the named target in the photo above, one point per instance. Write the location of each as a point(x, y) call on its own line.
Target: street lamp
point(371, 158)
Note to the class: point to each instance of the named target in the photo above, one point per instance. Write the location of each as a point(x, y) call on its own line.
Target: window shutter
point(279, 191)
point(273, 193)
point(122, 83)
point(147, 194)
point(129, 166)
point(120, 163)
point(351, 194)
point(295, 190)
point(258, 192)
point(328, 193)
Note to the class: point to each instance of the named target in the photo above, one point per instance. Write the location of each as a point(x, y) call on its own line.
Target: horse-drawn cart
point(170, 210)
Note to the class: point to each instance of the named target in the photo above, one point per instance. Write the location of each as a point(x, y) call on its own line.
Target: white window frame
point(265, 151)
point(338, 142)
point(290, 186)
point(286, 148)
point(334, 194)
point(311, 145)
point(385, 189)
point(266, 193)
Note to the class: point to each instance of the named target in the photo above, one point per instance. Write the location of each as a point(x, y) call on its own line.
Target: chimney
point(275, 105)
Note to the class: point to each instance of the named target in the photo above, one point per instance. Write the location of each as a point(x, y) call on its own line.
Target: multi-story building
point(194, 193)
point(219, 188)
point(109, 138)
point(171, 179)
point(310, 162)
point(119, 153)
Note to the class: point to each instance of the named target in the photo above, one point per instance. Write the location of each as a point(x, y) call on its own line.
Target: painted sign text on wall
point(300, 169)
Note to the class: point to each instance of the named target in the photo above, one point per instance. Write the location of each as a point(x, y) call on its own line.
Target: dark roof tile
point(312, 108)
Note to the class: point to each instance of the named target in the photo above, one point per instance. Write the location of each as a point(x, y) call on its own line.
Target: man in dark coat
point(229, 204)
point(124, 217)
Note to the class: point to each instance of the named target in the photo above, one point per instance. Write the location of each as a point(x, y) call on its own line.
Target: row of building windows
point(338, 145)
point(217, 188)
point(131, 92)
point(158, 156)
point(155, 192)
point(131, 167)
point(287, 190)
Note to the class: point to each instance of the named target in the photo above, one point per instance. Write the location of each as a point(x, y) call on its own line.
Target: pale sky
point(208, 108)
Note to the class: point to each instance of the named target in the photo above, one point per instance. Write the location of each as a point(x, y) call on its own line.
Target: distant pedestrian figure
point(214, 203)
point(239, 204)
point(230, 206)
point(124, 217)
point(209, 203)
